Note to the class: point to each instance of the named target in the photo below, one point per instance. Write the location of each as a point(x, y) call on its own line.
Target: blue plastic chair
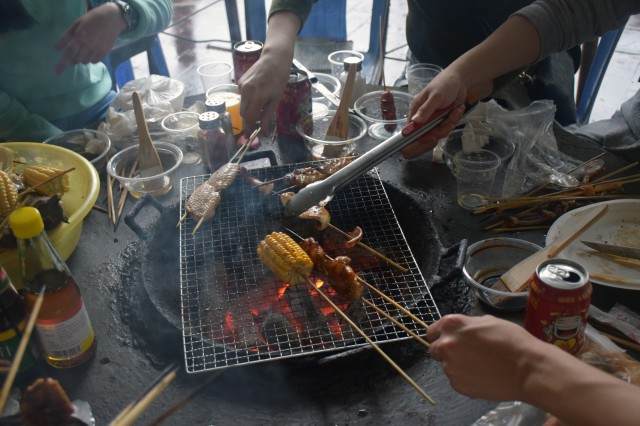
point(119, 65)
point(328, 20)
point(606, 48)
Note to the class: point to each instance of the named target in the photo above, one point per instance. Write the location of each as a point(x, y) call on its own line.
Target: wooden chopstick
point(386, 357)
point(131, 413)
point(398, 323)
point(370, 249)
point(110, 205)
point(24, 341)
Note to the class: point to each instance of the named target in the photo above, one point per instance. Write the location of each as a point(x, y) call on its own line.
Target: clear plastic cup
point(419, 75)
point(181, 129)
point(336, 59)
point(475, 173)
point(214, 74)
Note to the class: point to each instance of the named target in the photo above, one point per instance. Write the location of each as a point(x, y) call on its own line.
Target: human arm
point(92, 36)
point(17, 123)
point(263, 84)
point(485, 357)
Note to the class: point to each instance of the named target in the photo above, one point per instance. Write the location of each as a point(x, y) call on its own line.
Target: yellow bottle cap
point(26, 222)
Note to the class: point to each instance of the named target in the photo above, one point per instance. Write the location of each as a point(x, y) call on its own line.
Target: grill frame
point(203, 327)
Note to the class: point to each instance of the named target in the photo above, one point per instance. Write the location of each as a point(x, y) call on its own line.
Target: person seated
point(51, 77)
point(486, 357)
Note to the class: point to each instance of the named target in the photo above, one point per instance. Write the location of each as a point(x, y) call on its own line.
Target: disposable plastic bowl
point(501, 147)
point(313, 129)
point(90, 144)
point(368, 107)
point(84, 186)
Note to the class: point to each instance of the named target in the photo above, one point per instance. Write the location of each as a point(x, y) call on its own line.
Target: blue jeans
point(89, 118)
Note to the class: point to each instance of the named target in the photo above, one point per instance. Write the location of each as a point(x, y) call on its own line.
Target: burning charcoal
point(277, 331)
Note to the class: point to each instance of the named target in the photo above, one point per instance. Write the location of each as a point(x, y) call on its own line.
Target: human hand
point(261, 88)
point(90, 37)
point(448, 90)
point(483, 357)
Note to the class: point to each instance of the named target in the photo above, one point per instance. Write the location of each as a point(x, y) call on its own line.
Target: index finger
point(66, 37)
point(444, 325)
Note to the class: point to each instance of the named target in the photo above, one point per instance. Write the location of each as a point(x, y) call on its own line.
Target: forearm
point(281, 35)
point(514, 45)
point(575, 392)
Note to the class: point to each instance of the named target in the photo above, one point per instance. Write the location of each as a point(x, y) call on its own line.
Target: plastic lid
point(209, 120)
point(216, 104)
point(26, 222)
point(352, 60)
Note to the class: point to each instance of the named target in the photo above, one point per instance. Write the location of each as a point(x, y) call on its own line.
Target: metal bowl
point(91, 144)
point(487, 260)
point(313, 129)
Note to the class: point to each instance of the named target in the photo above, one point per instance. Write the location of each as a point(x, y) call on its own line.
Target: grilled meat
point(341, 277)
point(254, 182)
point(305, 176)
point(356, 236)
point(329, 167)
point(203, 201)
point(319, 214)
point(46, 403)
point(388, 109)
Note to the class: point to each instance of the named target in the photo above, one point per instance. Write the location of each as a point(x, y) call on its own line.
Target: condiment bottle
point(359, 85)
point(66, 336)
point(213, 140)
point(13, 320)
point(219, 105)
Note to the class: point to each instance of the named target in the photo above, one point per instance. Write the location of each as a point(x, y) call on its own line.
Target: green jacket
point(31, 93)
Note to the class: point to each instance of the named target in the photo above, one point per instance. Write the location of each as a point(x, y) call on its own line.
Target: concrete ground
point(206, 20)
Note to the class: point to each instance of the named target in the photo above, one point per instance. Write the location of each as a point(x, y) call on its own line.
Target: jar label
point(68, 338)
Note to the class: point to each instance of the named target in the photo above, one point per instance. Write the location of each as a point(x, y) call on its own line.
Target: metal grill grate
point(234, 312)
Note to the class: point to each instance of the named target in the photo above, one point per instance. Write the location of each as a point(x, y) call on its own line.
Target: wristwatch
point(129, 14)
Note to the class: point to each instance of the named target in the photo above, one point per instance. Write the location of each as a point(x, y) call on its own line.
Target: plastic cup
point(419, 75)
point(182, 129)
point(214, 74)
point(336, 59)
point(475, 173)
point(231, 95)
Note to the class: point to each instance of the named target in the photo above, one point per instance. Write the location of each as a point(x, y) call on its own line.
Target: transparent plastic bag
point(537, 159)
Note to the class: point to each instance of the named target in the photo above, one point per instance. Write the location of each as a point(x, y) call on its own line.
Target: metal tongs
point(322, 191)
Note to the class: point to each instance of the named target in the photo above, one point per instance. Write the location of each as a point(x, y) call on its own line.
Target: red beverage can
point(245, 54)
point(294, 105)
point(558, 305)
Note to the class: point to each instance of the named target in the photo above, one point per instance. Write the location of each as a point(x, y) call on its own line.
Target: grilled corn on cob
point(285, 258)
point(35, 175)
point(8, 194)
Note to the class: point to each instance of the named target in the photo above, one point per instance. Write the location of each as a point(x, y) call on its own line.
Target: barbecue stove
point(235, 313)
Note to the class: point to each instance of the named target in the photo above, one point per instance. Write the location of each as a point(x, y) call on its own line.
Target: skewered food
point(342, 277)
point(308, 175)
point(8, 194)
point(319, 214)
point(223, 177)
point(388, 110)
point(36, 175)
point(203, 202)
point(46, 403)
point(285, 258)
point(254, 182)
point(356, 236)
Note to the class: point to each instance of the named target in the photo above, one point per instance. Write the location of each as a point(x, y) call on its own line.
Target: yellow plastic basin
point(84, 186)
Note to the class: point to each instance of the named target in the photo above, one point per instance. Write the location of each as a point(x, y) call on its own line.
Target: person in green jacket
point(51, 77)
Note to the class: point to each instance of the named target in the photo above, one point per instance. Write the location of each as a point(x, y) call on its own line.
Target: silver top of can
point(296, 76)
point(562, 274)
point(216, 104)
point(248, 46)
point(352, 60)
point(209, 120)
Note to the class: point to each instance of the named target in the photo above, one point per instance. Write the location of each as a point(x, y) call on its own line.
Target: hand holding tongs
point(317, 192)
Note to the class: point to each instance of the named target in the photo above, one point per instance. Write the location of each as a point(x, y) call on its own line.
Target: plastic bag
point(536, 159)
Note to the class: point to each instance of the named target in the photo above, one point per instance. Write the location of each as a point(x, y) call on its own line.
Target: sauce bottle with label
point(64, 330)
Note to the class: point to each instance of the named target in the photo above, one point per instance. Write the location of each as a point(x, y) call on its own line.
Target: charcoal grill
point(223, 283)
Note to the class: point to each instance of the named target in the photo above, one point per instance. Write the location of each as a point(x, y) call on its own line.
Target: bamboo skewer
point(625, 343)
point(398, 323)
point(178, 405)
point(394, 303)
point(370, 249)
point(151, 392)
point(124, 194)
point(24, 341)
point(386, 357)
point(100, 209)
point(110, 204)
point(616, 172)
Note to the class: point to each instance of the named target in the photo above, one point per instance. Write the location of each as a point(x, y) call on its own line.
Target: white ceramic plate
point(619, 226)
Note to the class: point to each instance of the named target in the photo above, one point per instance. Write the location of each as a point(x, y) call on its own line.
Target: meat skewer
point(388, 109)
point(206, 197)
point(299, 178)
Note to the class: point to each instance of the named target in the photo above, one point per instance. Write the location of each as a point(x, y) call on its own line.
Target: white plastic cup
point(419, 75)
point(214, 74)
point(336, 59)
point(475, 173)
